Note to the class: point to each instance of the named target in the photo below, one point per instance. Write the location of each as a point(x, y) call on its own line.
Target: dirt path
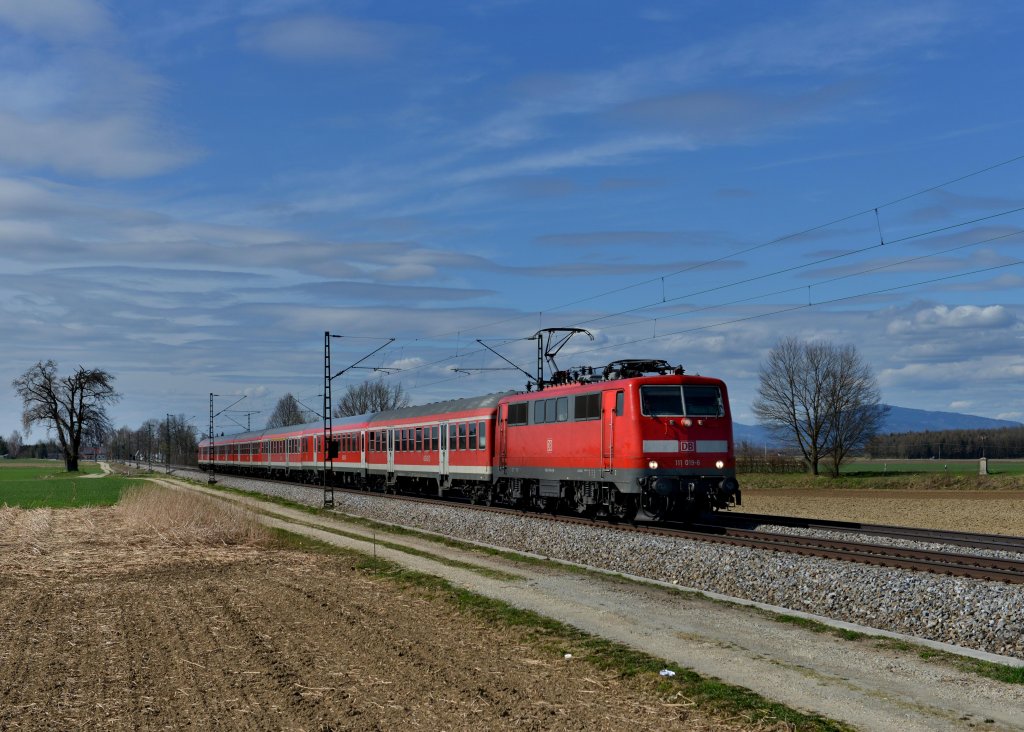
point(870, 687)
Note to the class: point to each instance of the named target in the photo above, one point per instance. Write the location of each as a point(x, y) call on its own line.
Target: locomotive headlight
point(687, 422)
point(653, 465)
point(720, 464)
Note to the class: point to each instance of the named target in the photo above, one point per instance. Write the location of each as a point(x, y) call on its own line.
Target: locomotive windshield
point(678, 401)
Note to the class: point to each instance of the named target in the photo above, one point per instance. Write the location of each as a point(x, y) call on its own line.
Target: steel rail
point(999, 542)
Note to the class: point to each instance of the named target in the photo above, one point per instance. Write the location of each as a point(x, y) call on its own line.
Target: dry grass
point(184, 518)
point(25, 528)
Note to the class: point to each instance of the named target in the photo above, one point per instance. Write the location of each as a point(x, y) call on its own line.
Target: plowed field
point(106, 627)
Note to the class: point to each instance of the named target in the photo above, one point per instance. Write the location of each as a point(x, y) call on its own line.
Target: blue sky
point(191, 193)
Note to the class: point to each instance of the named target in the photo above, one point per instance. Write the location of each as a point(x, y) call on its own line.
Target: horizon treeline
point(1007, 442)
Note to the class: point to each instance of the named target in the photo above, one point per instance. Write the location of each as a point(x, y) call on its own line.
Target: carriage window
point(434, 443)
point(472, 435)
point(462, 436)
point(562, 409)
point(703, 401)
point(419, 439)
point(518, 413)
point(453, 437)
point(538, 412)
point(482, 431)
point(587, 406)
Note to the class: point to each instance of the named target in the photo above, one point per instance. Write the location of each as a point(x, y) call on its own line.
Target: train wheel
point(582, 502)
point(653, 505)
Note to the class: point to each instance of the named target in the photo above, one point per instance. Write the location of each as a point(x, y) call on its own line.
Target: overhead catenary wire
point(805, 265)
point(776, 240)
point(869, 270)
point(803, 232)
point(805, 306)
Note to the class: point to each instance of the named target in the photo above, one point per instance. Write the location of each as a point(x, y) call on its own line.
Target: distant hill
point(899, 419)
point(752, 433)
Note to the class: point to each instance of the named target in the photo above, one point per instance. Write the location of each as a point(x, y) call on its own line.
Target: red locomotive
point(641, 440)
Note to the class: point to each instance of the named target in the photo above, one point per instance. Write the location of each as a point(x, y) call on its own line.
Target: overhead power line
point(803, 232)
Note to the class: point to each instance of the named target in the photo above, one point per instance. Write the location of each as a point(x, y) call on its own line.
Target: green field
point(951, 467)
point(45, 483)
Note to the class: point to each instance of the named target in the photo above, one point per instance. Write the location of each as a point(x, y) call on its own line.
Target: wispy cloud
point(73, 105)
point(55, 20)
point(322, 37)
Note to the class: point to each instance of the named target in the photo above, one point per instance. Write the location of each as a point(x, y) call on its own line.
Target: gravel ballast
point(965, 612)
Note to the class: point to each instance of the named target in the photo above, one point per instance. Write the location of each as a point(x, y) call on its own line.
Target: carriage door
point(502, 446)
point(612, 402)
point(391, 452)
point(442, 453)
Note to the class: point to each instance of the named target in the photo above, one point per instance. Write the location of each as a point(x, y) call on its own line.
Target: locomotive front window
point(703, 401)
point(661, 401)
point(675, 401)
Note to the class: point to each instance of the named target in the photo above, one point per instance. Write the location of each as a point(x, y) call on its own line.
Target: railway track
point(997, 542)
point(922, 560)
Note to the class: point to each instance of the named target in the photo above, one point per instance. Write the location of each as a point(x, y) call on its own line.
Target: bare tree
point(371, 396)
point(14, 443)
point(72, 406)
point(819, 397)
point(855, 408)
point(287, 412)
point(179, 440)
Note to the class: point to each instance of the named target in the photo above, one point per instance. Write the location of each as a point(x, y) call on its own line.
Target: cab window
point(703, 401)
point(661, 401)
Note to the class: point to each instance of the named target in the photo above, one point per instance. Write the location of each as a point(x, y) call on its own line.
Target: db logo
point(687, 447)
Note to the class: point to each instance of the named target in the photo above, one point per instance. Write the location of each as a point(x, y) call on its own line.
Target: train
point(636, 440)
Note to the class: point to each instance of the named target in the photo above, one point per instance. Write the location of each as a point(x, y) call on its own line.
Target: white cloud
point(961, 316)
point(112, 146)
point(55, 19)
point(313, 38)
